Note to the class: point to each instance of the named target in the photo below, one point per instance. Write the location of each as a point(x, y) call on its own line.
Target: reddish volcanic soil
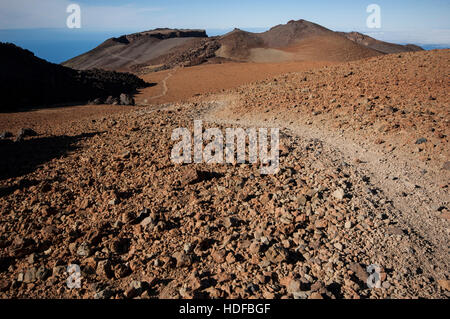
point(363, 180)
point(48, 120)
point(398, 101)
point(183, 83)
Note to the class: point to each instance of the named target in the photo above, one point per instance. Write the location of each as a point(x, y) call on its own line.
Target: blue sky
point(398, 15)
point(403, 21)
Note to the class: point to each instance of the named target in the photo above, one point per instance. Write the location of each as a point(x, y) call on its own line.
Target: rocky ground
point(399, 101)
point(102, 192)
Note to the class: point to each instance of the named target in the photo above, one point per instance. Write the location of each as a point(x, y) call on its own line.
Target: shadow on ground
point(20, 158)
point(24, 109)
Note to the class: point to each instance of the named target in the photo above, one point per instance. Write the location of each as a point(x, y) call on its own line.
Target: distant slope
point(381, 46)
point(27, 81)
point(286, 35)
point(238, 43)
point(135, 49)
point(295, 41)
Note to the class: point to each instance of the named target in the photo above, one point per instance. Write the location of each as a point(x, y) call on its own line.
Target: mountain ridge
point(382, 46)
point(165, 48)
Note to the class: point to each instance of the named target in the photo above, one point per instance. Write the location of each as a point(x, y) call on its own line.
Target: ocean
point(57, 45)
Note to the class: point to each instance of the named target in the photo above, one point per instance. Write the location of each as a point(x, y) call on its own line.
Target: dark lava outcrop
point(28, 81)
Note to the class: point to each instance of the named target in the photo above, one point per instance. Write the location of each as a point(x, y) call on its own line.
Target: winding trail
point(415, 215)
point(164, 84)
point(164, 81)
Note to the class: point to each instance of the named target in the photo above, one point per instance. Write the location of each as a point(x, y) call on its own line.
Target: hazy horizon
point(41, 26)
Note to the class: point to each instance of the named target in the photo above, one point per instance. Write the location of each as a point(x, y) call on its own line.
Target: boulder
point(126, 99)
point(25, 132)
point(112, 100)
point(4, 135)
point(97, 101)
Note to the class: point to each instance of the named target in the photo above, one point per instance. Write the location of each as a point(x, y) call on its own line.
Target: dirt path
point(187, 82)
point(414, 192)
point(164, 84)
